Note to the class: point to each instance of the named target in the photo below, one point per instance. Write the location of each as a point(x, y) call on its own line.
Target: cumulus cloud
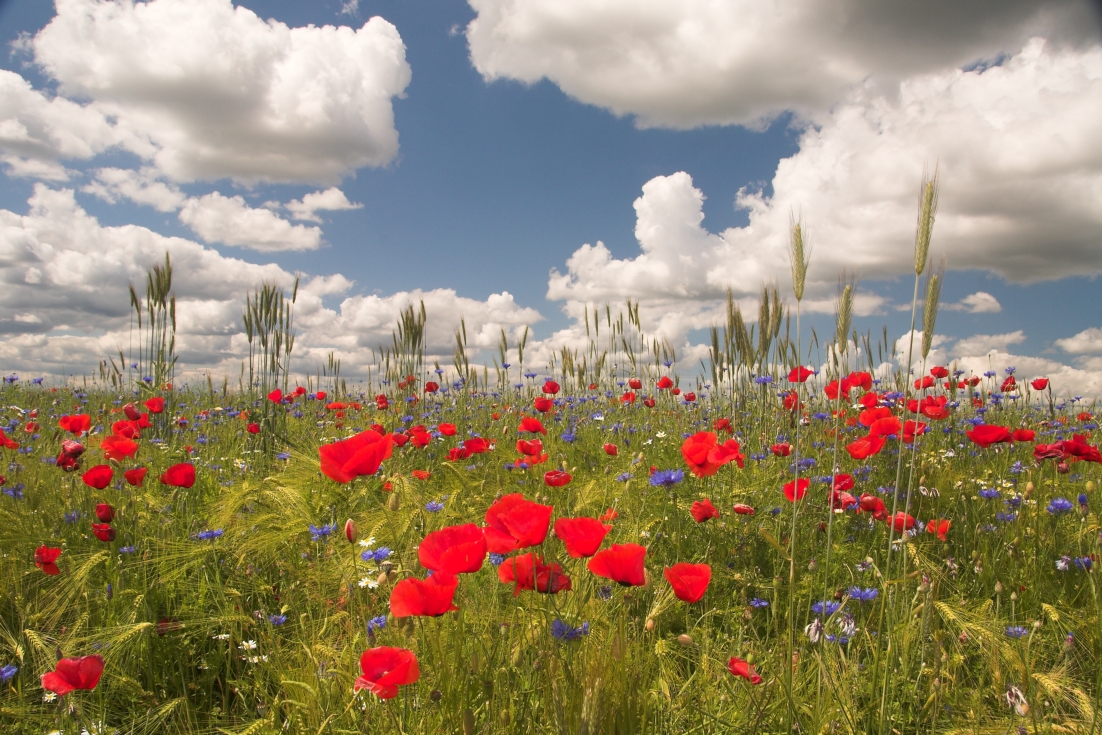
point(230, 220)
point(205, 90)
point(141, 186)
point(982, 344)
point(1086, 342)
point(980, 302)
point(332, 200)
point(697, 62)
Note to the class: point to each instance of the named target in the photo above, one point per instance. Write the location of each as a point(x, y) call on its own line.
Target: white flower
point(814, 630)
point(660, 435)
point(255, 659)
point(221, 637)
point(248, 646)
point(369, 583)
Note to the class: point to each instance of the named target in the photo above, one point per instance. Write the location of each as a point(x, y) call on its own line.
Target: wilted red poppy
point(551, 387)
point(75, 424)
point(689, 581)
point(454, 549)
point(70, 674)
point(105, 513)
point(424, 597)
point(543, 405)
point(98, 477)
point(738, 667)
point(985, 435)
point(385, 669)
point(252, 428)
point(664, 383)
point(635, 384)
point(135, 476)
point(103, 532)
point(421, 474)
point(1039, 383)
point(796, 489)
point(45, 558)
point(781, 449)
point(515, 523)
point(531, 426)
point(743, 509)
point(1009, 384)
point(358, 455)
point(702, 510)
point(902, 522)
point(649, 402)
point(179, 475)
point(117, 447)
point(581, 536)
point(446, 429)
point(622, 563)
point(799, 374)
point(1024, 435)
point(865, 447)
point(557, 478)
point(528, 572)
point(941, 528)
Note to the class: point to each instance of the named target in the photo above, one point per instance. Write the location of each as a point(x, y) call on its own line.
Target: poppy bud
point(685, 639)
point(131, 412)
point(1063, 468)
point(468, 722)
point(436, 695)
point(72, 448)
point(649, 625)
point(393, 503)
point(350, 531)
point(1028, 488)
point(105, 513)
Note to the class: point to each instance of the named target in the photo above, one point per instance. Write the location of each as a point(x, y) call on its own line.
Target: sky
point(515, 162)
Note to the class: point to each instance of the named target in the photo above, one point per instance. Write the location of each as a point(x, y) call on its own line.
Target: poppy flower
point(581, 536)
point(840, 500)
point(835, 388)
point(635, 384)
point(843, 482)
point(550, 387)
point(1024, 435)
point(873, 504)
point(1010, 384)
point(781, 449)
point(179, 475)
point(117, 447)
point(156, 404)
point(738, 667)
point(870, 416)
point(664, 383)
point(543, 405)
point(446, 429)
point(869, 400)
point(723, 424)
point(105, 513)
point(689, 581)
point(557, 478)
point(515, 523)
point(726, 452)
point(902, 522)
point(430, 597)
point(531, 426)
point(421, 474)
point(940, 372)
point(702, 510)
point(136, 476)
point(926, 381)
point(103, 532)
point(98, 477)
point(743, 509)
point(941, 528)
point(865, 447)
point(911, 429)
point(253, 428)
point(696, 449)
point(385, 669)
point(381, 403)
point(127, 429)
point(131, 411)
point(45, 558)
point(75, 424)
point(398, 439)
point(70, 674)
point(611, 450)
point(609, 515)
point(799, 374)
point(454, 549)
point(796, 489)
point(1039, 383)
point(143, 421)
point(629, 397)
point(477, 445)
point(420, 439)
point(275, 396)
point(528, 572)
point(622, 563)
point(889, 426)
point(345, 460)
point(985, 435)
point(862, 380)
point(689, 397)
point(12, 444)
point(649, 402)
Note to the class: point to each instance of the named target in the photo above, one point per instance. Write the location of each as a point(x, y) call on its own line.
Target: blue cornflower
point(1058, 506)
point(665, 478)
point(758, 602)
point(73, 516)
point(1084, 562)
point(764, 379)
point(1010, 370)
point(381, 554)
point(128, 549)
point(433, 506)
point(210, 535)
point(568, 436)
point(376, 623)
point(277, 619)
point(864, 594)
point(989, 494)
point(497, 559)
point(1006, 517)
point(1017, 468)
point(7, 672)
point(563, 632)
point(321, 534)
point(283, 455)
point(605, 592)
point(1016, 631)
point(827, 607)
point(1082, 500)
point(623, 477)
point(990, 374)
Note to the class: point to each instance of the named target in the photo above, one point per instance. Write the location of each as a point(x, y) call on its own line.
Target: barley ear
point(929, 309)
point(927, 209)
point(799, 255)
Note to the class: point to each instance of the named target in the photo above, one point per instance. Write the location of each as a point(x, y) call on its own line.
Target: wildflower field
point(602, 544)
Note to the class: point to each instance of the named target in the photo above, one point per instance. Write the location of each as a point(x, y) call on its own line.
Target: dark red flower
point(1009, 384)
point(515, 523)
point(70, 674)
point(611, 450)
point(424, 597)
point(702, 510)
point(253, 428)
point(98, 477)
point(156, 404)
point(873, 504)
point(105, 513)
point(582, 536)
point(649, 402)
point(557, 478)
point(351, 531)
point(385, 669)
point(689, 581)
point(103, 532)
point(738, 667)
point(796, 489)
point(135, 476)
point(179, 475)
point(131, 411)
point(75, 424)
point(358, 455)
point(528, 572)
point(454, 549)
point(622, 563)
point(985, 435)
point(45, 558)
point(550, 387)
point(628, 397)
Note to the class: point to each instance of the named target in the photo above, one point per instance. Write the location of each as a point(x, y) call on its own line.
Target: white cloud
point(1087, 341)
point(230, 220)
point(332, 199)
point(980, 302)
point(696, 62)
point(142, 187)
point(982, 344)
point(205, 90)
point(1066, 380)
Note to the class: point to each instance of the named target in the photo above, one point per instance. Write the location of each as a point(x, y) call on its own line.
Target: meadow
point(600, 544)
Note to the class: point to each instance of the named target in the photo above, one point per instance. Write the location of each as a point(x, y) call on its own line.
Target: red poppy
point(143, 421)
point(103, 532)
point(939, 372)
point(781, 449)
point(696, 451)
point(454, 549)
point(430, 597)
point(629, 397)
point(446, 429)
point(738, 667)
point(610, 450)
point(179, 475)
point(557, 478)
point(350, 458)
point(743, 509)
point(889, 426)
point(870, 416)
point(531, 461)
point(275, 396)
point(689, 581)
point(622, 563)
point(649, 402)
point(351, 531)
point(156, 404)
point(911, 429)
point(676, 391)
point(12, 444)
point(609, 515)
point(135, 476)
point(105, 513)
point(870, 399)
point(1039, 383)
point(421, 474)
point(902, 521)
point(543, 405)
point(799, 374)
point(834, 389)
point(873, 504)
point(530, 448)
point(117, 447)
point(477, 445)
point(726, 452)
point(131, 411)
point(45, 558)
point(635, 384)
point(865, 447)
point(689, 397)
point(843, 482)
point(1009, 384)
point(70, 674)
point(702, 510)
point(841, 500)
point(75, 424)
point(531, 426)
point(985, 435)
point(926, 381)
point(515, 523)
point(98, 477)
point(796, 489)
point(551, 387)
point(385, 669)
point(941, 528)
point(723, 424)
point(528, 572)
point(253, 428)
point(664, 383)
point(398, 439)
point(420, 439)
point(581, 536)
point(381, 403)
point(126, 429)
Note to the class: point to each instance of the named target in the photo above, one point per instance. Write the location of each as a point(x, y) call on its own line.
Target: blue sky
point(495, 182)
